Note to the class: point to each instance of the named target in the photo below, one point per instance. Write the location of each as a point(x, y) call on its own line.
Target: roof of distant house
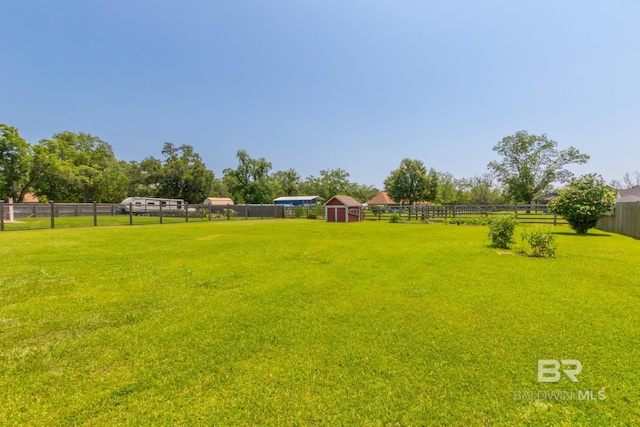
point(626, 192)
point(546, 197)
point(382, 198)
point(219, 200)
point(30, 198)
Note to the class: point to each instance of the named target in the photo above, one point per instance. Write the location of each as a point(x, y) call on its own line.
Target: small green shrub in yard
point(467, 221)
point(312, 215)
point(299, 211)
point(395, 218)
point(501, 230)
point(542, 243)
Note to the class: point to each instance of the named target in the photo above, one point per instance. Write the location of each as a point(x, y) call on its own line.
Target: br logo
point(549, 370)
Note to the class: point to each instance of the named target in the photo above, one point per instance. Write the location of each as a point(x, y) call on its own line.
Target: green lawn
point(281, 322)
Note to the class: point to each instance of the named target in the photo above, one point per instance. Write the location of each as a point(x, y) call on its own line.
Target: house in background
point(381, 199)
point(343, 209)
point(546, 198)
point(629, 195)
point(217, 201)
point(30, 198)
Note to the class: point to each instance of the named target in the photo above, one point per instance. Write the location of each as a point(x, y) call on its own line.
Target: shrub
point(583, 202)
point(467, 221)
point(229, 213)
point(299, 211)
point(542, 243)
point(501, 228)
point(395, 218)
point(312, 215)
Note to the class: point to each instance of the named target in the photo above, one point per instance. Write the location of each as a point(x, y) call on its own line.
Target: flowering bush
point(583, 202)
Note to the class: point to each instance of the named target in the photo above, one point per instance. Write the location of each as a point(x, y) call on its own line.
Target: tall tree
point(531, 163)
point(431, 192)
point(288, 182)
point(408, 183)
point(15, 158)
point(331, 182)
point(483, 191)
point(250, 181)
point(77, 167)
point(631, 181)
point(183, 174)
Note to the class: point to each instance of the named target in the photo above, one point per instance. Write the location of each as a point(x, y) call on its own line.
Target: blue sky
point(312, 85)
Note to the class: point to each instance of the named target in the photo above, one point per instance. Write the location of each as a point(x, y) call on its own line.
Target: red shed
point(343, 209)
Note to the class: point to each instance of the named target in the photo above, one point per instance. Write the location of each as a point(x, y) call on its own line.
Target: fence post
point(186, 212)
point(130, 213)
point(246, 211)
point(228, 213)
point(160, 213)
point(52, 214)
point(555, 219)
point(1, 215)
point(262, 211)
point(95, 214)
point(210, 205)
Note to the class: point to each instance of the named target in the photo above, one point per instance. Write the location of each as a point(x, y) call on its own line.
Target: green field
point(281, 322)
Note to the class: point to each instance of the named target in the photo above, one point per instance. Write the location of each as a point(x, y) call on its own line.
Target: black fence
point(525, 213)
point(20, 216)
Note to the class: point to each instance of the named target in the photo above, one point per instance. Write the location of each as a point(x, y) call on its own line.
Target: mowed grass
point(281, 322)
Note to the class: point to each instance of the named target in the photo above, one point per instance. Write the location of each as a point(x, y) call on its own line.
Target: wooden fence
point(525, 213)
point(51, 215)
point(625, 220)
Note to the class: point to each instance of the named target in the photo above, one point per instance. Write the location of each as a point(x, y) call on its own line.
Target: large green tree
point(408, 183)
point(250, 182)
point(288, 182)
point(331, 182)
point(531, 163)
point(15, 161)
point(77, 167)
point(181, 175)
point(583, 202)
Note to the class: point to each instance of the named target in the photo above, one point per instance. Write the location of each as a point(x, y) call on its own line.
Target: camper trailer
point(148, 205)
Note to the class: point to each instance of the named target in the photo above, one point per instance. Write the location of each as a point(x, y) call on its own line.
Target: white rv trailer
point(141, 205)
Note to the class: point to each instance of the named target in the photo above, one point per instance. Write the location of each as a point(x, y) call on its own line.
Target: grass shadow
point(566, 233)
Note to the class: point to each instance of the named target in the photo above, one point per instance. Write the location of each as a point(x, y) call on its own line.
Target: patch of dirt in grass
point(211, 237)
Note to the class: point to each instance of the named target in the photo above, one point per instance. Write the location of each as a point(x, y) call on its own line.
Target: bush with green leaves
point(395, 218)
point(467, 221)
point(583, 202)
point(542, 243)
point(501, 228)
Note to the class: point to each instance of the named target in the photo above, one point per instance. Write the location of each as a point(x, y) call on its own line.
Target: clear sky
point(312, 85)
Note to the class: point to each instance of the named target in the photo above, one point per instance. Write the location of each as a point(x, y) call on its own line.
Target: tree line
point(80, 167)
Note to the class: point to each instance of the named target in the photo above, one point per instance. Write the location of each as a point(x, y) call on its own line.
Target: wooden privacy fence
point(525, 213)
point(50, 215)
point(625, 220)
